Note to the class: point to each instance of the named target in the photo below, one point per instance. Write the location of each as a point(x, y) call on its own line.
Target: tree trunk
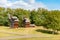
point(56, 31)
point(53, 32)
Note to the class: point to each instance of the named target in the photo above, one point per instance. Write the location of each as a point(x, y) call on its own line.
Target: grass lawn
point(22, 31)
point(28, 31)
point(41, 38)
point(6, 34)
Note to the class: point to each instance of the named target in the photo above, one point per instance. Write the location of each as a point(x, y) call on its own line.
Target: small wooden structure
point(16, 22)
point(26, 22)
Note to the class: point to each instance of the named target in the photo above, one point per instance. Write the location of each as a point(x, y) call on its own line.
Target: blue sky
point(31, 4)
point(51, 4)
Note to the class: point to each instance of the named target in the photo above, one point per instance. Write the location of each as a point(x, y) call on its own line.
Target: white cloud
point(32, 1)
point(5, 3)
point(28, 4)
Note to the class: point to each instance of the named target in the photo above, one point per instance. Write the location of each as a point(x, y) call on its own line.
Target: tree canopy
point(40, 17)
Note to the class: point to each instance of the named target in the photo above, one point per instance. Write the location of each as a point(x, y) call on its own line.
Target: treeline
point(49, 19)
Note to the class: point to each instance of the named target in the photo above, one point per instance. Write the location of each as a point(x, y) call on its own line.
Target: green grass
point(29, 31)
point(6, 34)
point(39, 38)
point(22, 31)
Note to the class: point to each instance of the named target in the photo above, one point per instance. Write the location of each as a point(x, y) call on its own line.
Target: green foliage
point(48, 19)
point(43, 17)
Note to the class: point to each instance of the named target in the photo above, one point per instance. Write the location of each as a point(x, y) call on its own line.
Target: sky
point(31, 4)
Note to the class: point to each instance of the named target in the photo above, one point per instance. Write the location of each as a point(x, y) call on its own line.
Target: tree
point(53, 20)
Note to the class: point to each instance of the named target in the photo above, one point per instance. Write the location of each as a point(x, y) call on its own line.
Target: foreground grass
point(6, 34)
point(30, 31)
point(41, 38)
point(22, 31)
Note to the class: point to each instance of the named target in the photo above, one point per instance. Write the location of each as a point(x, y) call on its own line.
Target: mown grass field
point(22, 31)
point(5, 31)
point(39, 38)
point(6, 34)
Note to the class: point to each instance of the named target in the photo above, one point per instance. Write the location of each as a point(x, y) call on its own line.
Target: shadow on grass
point(46, 31)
